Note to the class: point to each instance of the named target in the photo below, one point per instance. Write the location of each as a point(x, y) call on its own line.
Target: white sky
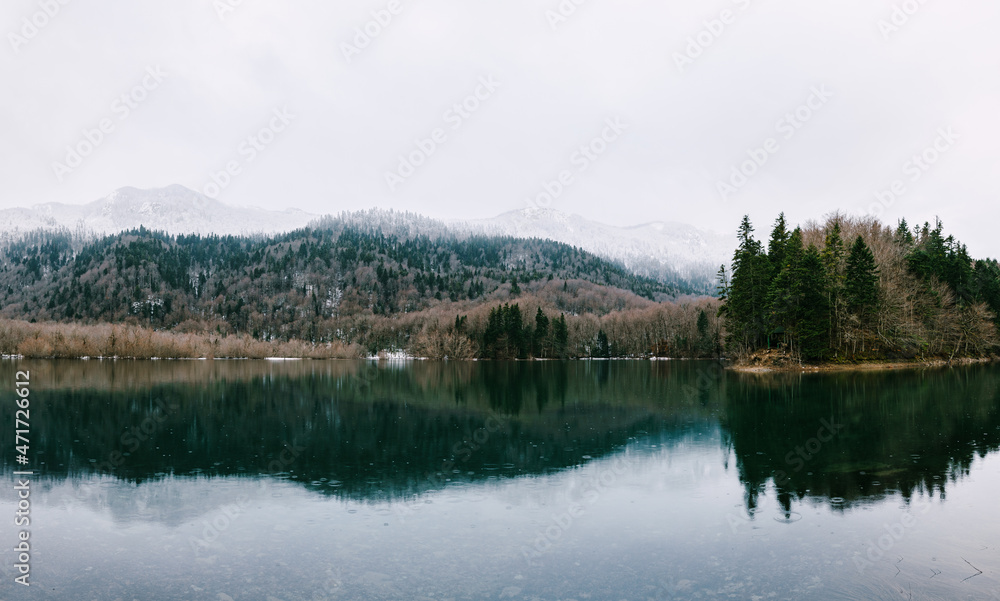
point(225, 75)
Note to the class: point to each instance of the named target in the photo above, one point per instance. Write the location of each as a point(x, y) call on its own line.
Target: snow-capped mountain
point(662, 250)
point(174, 209)
point(669, 252)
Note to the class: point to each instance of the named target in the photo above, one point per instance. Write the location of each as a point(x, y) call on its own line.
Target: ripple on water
point(791, 517)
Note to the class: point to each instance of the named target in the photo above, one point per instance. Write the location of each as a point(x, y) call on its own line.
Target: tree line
point(852, 289)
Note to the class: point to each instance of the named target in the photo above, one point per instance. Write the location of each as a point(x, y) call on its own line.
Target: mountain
point(324, 284)
point(669, 252)
point(679, 255)
point(174, 209)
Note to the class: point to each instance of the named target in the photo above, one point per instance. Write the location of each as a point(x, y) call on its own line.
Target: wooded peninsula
point(852, 290)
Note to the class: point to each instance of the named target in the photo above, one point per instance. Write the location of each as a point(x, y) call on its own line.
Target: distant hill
point(303, 284)
point(682, 256)
point(669, 252)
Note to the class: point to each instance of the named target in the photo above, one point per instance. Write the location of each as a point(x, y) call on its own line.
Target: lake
point(597, 480)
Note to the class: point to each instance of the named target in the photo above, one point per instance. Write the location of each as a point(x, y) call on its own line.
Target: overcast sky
point(307, 110)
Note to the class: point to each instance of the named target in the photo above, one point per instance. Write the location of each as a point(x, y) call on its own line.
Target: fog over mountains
point(174, 209)
point(665, 251)
point(661, 250)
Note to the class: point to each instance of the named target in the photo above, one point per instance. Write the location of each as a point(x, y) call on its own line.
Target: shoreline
point(728, 365)
point(382, 358)
point(867, 366)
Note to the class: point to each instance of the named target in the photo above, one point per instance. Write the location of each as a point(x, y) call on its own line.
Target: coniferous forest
point(337, 289)
point(853, 289)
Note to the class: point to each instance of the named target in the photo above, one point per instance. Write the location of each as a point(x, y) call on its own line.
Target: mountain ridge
point(667, 251)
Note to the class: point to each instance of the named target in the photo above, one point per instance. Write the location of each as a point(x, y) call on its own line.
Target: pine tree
point(783, 302)
point(560, 336)
point(602, 348)
point(776, 247)
point(833, 264)
point(904, 237)
point(541, 334)
point(746, 304)
point(810, 288)
point(861, 291)
point(706, 346)
point(722, 285)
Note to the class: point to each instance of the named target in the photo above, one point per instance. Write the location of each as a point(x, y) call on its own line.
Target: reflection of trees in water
point(910, 432)
point(373, 432)
point(368, 431)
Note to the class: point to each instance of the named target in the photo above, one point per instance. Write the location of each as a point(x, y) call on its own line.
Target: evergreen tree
point(746, 305)
point(810, 287)
point(541, 334)
point(986, 286)
point(602, 348)
point(903, 235)
point(722, 285)
point(706, 344)
point(861, 282)
point(776, 247)
point(783, 301)
point(560, 336)
point(833, 264)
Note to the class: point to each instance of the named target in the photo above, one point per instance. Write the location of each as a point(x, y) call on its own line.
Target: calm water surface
point(628, 480)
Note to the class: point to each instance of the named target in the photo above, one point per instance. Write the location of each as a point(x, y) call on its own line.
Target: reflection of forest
point(355, 429)
point(906, 431)
point(374, 431)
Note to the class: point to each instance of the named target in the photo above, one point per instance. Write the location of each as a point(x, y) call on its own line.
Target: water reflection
point(347, 429)
point(549, 480)
point(366, 431)
point(856, 438)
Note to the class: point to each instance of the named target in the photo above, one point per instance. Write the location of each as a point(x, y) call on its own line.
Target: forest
point(337, 289)
point(852, 289)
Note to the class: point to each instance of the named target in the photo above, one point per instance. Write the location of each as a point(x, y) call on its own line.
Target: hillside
point(334, 283)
